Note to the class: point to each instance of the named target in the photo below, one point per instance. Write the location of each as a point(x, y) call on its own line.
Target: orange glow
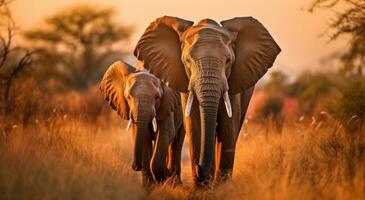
point(296, 30)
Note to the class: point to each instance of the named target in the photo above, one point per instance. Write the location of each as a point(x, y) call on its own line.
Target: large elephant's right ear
point(160, 50)
point(113, 84)
point(255, 52)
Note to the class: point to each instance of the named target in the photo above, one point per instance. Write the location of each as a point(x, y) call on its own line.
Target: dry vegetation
point(62, 158)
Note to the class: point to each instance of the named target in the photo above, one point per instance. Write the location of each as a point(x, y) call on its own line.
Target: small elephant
point(154, 113)
point(215, 67)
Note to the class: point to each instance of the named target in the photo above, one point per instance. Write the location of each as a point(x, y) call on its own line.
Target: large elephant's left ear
point(169, 102)
point(160, 49)
point(255, 52)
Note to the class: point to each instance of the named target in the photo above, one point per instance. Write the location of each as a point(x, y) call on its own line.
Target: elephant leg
point(158, 163)
point(147, 179)
point(226, 151)
point(159, 158)
point(175, 153)
point(228, 130)
point(244, 102)
point(192, 128)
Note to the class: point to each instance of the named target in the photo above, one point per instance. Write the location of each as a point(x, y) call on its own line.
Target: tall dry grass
point(66, 159)
point(62, 158)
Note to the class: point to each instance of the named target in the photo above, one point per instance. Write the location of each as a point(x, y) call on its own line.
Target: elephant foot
point(147, 179)
point(224, 175)
point(162, 177)
point(174, 180)
point(202, 180)
point(205, 183)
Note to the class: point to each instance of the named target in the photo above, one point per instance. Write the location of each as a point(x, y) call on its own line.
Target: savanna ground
point(62, 158)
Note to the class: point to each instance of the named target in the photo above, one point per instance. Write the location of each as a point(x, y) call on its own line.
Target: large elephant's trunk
point(208, 115)
point(208, 91)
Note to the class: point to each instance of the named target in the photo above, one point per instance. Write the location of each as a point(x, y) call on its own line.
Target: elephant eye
point(228, 60)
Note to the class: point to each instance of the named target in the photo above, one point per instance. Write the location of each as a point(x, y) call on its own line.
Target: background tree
point(311, 90)
point(13, 58)
point(278, 81)
point(350, 106)
point(269, 107)
point(350, 21)
point(75, 44)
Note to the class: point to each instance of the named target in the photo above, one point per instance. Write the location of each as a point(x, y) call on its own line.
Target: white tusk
point(189, 103)
point(130, 121)
point(154, 124)
point(129, 124)
point(227, 103)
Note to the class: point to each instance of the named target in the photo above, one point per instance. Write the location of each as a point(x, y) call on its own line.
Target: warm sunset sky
point(295, 30)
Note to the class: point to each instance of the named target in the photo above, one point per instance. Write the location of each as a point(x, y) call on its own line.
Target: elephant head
point(210, 62)
point(141, 98)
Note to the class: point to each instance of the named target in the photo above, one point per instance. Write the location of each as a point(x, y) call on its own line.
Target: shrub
point(350, 106)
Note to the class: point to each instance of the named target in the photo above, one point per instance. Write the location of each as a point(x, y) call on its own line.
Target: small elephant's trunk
point(142, 120)
point(139, 140)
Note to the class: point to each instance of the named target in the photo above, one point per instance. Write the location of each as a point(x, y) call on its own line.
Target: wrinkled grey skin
point(208, 61)
point(140, 97)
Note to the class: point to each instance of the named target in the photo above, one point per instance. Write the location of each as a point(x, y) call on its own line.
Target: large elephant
point(154, 113)
point(206, 62)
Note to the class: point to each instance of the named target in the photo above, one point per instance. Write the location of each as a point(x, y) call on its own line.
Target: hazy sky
point(295, 30)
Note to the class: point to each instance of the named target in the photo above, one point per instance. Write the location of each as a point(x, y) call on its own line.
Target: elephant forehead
point(206, 32)
point(144, 78)
point(144, 89)
point(207, 21)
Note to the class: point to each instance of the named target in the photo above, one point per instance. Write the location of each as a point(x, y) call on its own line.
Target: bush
point(270, 110)
point(351, 104)
point(29, 102)
point(26, 103)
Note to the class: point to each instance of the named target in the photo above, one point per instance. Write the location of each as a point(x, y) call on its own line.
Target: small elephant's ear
point(169, 102)
point(112, 87)
point(255, 52)
point(160, 49)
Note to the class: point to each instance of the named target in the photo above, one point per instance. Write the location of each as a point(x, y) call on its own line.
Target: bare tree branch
point(6, 46)
point(13, 59)
point(23, 62)
point(8, 24)
point(349, 21)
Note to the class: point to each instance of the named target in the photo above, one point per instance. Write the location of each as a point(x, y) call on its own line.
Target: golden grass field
point(62, 158)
